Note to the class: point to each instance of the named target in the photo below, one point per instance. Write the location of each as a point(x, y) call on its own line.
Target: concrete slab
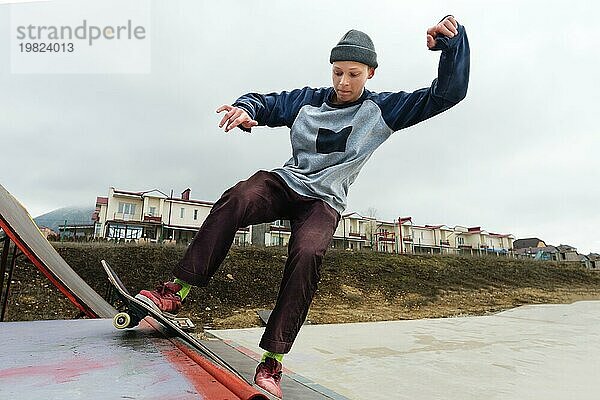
point(89, 359)
point(532, 352)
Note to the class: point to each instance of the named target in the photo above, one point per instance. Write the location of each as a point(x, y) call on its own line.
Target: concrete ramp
point(89, 359)
point(20, 228)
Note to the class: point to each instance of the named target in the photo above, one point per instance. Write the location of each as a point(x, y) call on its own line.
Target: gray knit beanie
point(355, 46)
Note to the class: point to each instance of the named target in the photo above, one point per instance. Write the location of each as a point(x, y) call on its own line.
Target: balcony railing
point(279, 228)
point(127, 217)
point(407, 239)
point(152, 218)
point(358, 235)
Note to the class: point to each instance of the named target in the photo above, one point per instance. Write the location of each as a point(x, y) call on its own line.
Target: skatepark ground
point(531, 352)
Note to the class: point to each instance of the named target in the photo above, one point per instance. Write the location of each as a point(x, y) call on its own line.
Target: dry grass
point(354, 287)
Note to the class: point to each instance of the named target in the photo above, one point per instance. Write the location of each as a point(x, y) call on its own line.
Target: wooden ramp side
point(20, 228)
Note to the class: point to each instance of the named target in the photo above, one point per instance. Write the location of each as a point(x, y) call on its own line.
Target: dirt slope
point(354, 287)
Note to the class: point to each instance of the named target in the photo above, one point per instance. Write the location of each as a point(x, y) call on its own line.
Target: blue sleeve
point(401, 110)
point(279, 109)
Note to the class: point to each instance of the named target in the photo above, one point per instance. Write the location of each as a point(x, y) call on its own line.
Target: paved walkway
point(532, 352)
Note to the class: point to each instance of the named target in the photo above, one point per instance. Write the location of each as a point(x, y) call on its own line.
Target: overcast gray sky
point(519, 155)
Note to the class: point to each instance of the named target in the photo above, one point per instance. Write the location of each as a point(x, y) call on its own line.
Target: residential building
point(351, 231)
point(528, 243)
point(585, 261)
point(478, 241)
point(546, 253)
point(405, 235)
point(80, 232)
point(276, 233)
point(567, 253)
point(152, 216)
point(356, 232)
point(431, 239)
point(384, 237)
point(594, 261)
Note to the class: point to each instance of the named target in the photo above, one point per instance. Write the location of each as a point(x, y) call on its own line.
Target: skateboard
point(133, 310)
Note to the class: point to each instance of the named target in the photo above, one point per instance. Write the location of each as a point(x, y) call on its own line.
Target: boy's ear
point(371, 72)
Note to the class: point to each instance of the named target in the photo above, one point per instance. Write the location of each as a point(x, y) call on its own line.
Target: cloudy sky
point(519, 155)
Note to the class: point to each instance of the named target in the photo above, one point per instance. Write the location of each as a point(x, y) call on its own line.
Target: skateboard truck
point(125, 320)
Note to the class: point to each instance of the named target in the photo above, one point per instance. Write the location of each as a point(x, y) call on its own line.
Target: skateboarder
point(334, 131)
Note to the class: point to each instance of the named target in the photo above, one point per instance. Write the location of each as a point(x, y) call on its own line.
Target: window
point(152, 211)
point(181, 212)
point(124, 232)
point(195, 215)
point(461, 240)
point(126, 208)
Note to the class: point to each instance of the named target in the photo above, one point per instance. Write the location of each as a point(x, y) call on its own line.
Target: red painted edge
point(40, 265)
point(236, 385)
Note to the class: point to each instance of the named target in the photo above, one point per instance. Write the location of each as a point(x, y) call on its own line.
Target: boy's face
point(349, 79)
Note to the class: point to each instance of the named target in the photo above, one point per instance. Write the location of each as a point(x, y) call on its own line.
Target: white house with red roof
point(152, 216)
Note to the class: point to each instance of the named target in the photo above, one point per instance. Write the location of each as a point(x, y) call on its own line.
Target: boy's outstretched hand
point(447, 27)
point(235, 116)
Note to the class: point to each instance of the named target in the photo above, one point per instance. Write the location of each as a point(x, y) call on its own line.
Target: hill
point(355, 286)
point(72, 216)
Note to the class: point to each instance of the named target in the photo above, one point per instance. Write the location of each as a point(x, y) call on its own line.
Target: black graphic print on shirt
point(329, 141)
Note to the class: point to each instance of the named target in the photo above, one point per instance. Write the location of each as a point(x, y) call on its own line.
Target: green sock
point(185, 288)
point(275, 356)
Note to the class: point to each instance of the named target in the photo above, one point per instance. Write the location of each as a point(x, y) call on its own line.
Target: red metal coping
point(230, 382)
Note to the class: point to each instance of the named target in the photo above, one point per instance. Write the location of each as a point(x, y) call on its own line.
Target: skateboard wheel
point(121, 320)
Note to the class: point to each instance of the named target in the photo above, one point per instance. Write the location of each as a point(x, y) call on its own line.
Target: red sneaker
point(164, 297)
point(268, 376)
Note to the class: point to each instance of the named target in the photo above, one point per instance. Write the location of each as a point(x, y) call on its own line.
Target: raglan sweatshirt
point(332, 142)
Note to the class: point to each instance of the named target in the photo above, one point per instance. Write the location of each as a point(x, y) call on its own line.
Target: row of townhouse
point(154, 216)
point(403, 236)
point(538, 250)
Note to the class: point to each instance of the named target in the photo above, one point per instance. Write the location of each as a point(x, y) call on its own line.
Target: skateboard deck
point(134, 310)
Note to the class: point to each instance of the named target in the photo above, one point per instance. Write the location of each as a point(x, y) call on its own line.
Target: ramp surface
point(294, 386)
point(549, 352)
point(18, 225)
point(89, 359)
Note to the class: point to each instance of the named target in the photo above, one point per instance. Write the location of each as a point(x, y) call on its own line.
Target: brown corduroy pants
point(265, 197)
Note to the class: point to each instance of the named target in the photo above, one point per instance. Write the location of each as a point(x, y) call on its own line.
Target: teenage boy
point(334, 131)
